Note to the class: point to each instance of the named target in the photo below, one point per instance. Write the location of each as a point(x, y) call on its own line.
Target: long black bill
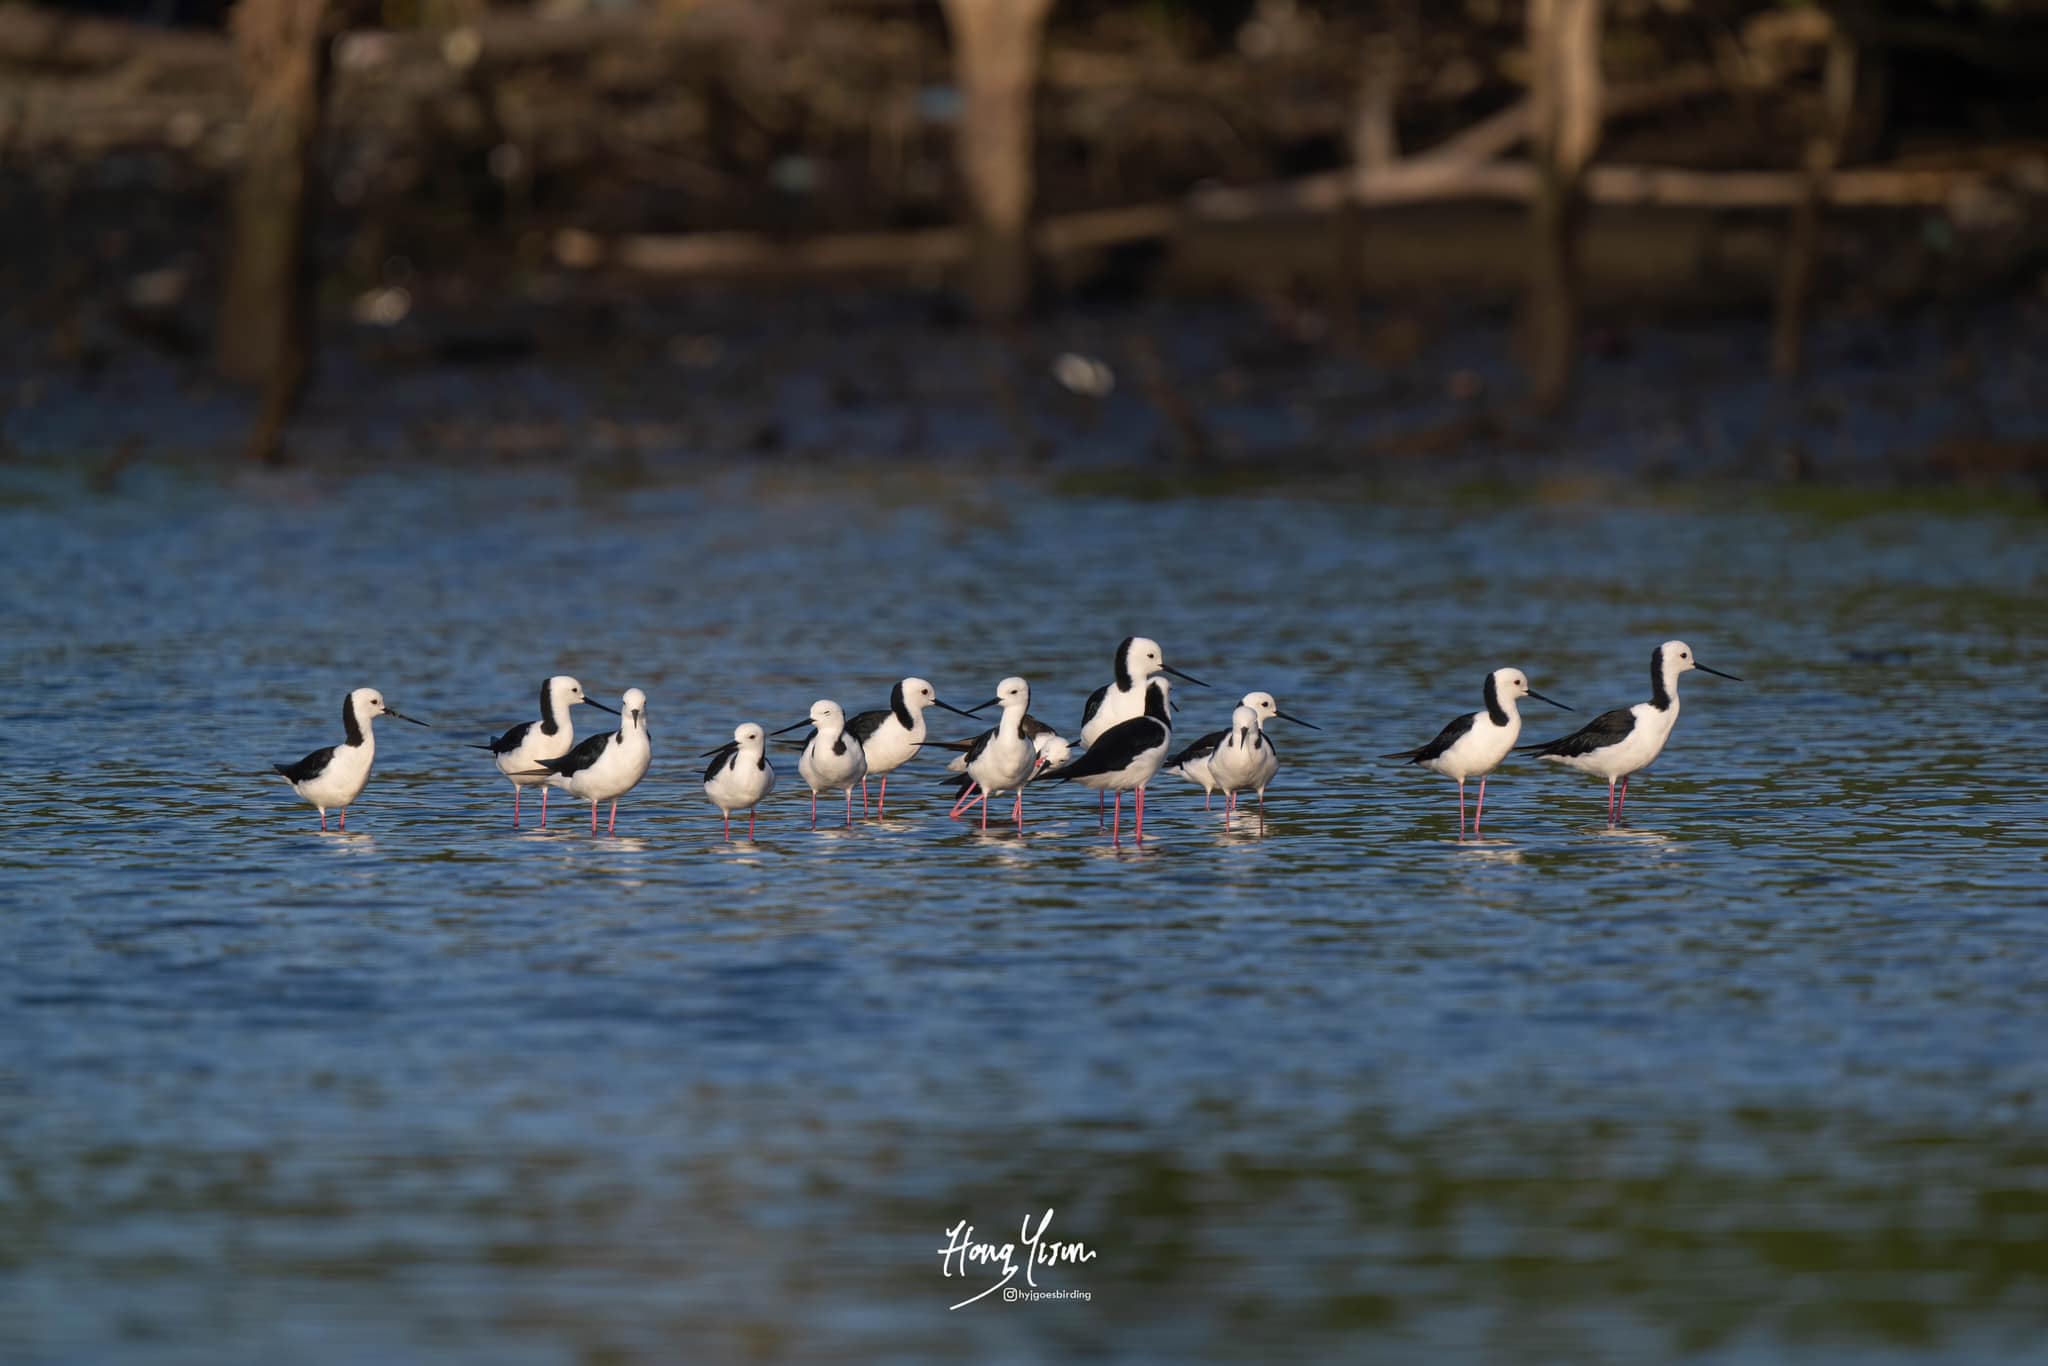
point(592, 701)
point(794, 725)
point(1281, 715)
point(1168, 668)
point(1551, 700)
point(951, 708)
point(728, 747)
point(979, 706)
point(1716, 672)
point(403, 717)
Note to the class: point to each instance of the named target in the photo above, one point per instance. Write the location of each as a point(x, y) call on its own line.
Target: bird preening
point(1126, 739)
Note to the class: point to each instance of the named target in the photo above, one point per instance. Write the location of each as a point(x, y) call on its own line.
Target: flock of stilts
point(1126, 731)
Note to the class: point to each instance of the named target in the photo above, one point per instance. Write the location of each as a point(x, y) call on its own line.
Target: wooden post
point(1823, 155)
point(1565, 101)
point(997, 46)
point(267, 319)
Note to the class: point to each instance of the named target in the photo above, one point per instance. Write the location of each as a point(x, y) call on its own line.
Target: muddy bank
point(1278, 386)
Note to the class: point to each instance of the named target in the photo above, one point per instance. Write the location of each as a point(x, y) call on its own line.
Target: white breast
point(1117, 707)
point(742, 785)
point(891, 746)
point(1480, 750)
point(828, 772)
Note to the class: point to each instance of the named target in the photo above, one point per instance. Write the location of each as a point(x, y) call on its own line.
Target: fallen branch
point(1407, 182)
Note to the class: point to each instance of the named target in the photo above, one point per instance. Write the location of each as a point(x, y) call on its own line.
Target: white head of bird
point(1014, 694)
point(1140, 657)
point(633, 707)
point(751, 739)
point(1669, 660)
point(827, 716)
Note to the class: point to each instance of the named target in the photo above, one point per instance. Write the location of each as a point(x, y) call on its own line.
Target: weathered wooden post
point(997, 46)
point(1823, 155)
point(267, 320)
point(1565, 98)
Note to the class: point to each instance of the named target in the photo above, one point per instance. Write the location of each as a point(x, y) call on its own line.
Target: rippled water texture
point(1758, 1077)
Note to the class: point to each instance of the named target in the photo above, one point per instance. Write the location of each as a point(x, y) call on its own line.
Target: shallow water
point(1759, 1076)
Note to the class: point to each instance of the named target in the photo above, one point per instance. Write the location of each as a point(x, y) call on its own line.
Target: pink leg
point(611, 827)
point(849, 804)
point(863, 796)
point(344, 818)
point(814, 811)
point(1262, 803)
point(1622, 809)
point(515, 806)
point(882, 798)
point(543, 808)
point(593, 818)
point(1610, 801)
point(1229, 808)
point(1461, 808)
point(750, 822)
point(1209, 799)
point(1480, 814)
point(1141, 815)
point(323, 820)
point(1019, 812)
point(728, 827)
point(984, 811)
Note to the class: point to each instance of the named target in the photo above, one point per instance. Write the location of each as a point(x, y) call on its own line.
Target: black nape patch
point(1123, 664)
point(1495, 712)
point(352, 727)
point(901, 708)
point(548, 722)
point(1660, 696)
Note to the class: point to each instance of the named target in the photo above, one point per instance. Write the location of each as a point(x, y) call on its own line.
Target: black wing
point(1445, 738)
point(864, 725)
point(1116, 748)
point(583, 756)
point(1031, 727)
point(510, 740)
point(725, 756)
point(980, 743)
point(1608, 728)
point(1093, 705)
point(308, 768)
point(1200, 749)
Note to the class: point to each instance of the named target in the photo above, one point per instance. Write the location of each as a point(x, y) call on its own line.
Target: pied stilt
point(1002, 759)
point(1123, 699)
point(605, 768)
point(740, 775)
point(1618, 744)
point(1244, 759)
point(890, 738)
point(1473, 745)
point(1125, 757)
point(335, 776)
point(1192, 762)
point(832, 759)
point(519, 749)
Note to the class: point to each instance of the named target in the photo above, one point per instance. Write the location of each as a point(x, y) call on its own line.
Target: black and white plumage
point(335, 776)
point(1002, 759)
point(1192, 762)
point(605, 768)
point(1123, 698)
point(891, 737)
point(832, 759)
point(1126, 757)
point(739, 775)
point(519, 751)
point(1618, 744)
point(1473, 745)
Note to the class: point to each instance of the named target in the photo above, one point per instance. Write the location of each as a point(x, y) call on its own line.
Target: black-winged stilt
point(335, 776)
point(1618, 744)
point(519, 749)
point(1474, 744)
